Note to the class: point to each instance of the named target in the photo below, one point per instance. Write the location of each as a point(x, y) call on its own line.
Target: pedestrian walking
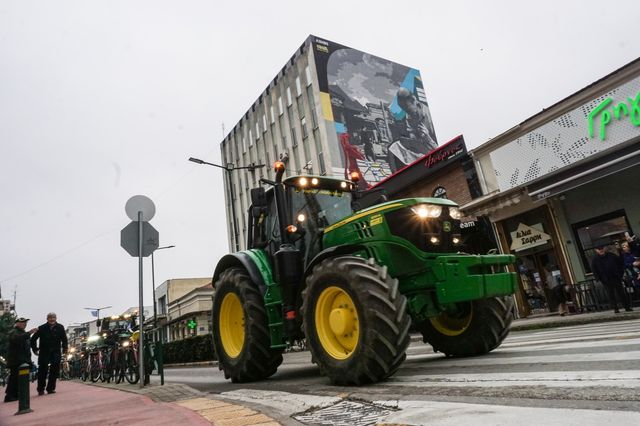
point(18, 354)
point(608, 269)
point(53, 343)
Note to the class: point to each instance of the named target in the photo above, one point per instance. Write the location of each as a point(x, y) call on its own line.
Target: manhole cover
point(347, 413)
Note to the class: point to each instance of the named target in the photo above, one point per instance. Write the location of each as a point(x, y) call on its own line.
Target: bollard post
point(23, 389)
point(160, 361)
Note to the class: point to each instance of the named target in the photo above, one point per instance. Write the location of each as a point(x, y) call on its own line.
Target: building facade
point(331, 110)
point(563, 182)
point(190, 314)
point(172, 307)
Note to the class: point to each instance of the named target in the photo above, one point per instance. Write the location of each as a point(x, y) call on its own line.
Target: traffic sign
point(129, 239)
point(140, 203)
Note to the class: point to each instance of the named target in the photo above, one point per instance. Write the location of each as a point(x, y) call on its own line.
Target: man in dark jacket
point(17, 355)
point(53, 342)
point(608, 269)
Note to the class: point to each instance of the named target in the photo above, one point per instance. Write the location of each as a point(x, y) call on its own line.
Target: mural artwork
point(378, 107)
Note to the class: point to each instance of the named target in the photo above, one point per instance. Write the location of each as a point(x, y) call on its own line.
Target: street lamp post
point(228, 169)
point(153, 285)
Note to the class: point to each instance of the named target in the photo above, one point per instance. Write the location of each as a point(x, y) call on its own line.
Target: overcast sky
point(100, 101)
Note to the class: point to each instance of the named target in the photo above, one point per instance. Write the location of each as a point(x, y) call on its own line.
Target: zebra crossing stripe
point(490, 359)
point(574, 379)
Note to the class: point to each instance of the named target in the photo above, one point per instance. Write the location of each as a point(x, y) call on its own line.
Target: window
point(250, 138)
point(257, 130)
point(280, 106)
point(607, 230)
point(264, 123)
point(273, 117)
point(323, 170)
point(303, 124)
point(289, 101)
point(162, 305)
point(244, 145)
point(298, 87)
point(307, 72)
point(312, 107)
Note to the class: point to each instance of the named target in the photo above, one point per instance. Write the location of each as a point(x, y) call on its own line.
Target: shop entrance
point(532, 238)
point(539, 273)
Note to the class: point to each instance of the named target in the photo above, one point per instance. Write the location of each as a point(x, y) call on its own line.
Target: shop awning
point(585, 173)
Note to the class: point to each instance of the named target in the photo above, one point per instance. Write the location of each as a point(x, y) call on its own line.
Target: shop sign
point(622, 109)
point(525, 237)
point(445, 153)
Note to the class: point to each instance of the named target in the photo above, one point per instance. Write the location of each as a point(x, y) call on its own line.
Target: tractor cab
point(311, 204)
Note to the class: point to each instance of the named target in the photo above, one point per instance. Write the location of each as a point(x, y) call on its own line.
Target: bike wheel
point(131, 373)
point(94, 372)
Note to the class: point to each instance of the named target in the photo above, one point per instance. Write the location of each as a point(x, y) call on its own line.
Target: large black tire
point(477, 328)
point(248, 355)
point(355, 320)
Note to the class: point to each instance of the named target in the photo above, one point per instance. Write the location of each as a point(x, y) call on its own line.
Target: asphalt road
point(582, 372)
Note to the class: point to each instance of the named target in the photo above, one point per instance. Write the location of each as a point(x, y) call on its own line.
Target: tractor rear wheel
point(469, 328)
point(355, 320)
point(241, 333)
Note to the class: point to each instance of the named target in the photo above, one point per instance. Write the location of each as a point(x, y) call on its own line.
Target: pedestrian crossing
point(593, 355)
point(562, 376)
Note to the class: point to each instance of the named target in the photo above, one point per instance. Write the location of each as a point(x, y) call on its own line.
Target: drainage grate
point(346, 413)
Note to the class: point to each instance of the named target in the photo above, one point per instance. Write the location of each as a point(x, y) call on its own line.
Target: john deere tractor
point(352, 282)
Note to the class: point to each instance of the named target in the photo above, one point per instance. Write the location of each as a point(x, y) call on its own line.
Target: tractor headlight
point(434, 240)
point(302, 182)
point(301, 218)
point(69, 357)
point(455, 213)
point(314, 181)
point(343, 185)
point(126, 343)
point(424, 211)
point(456, 240)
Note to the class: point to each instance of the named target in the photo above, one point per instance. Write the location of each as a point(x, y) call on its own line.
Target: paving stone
point(195, 404)
point(220, 409)
point(222, 414)
point(256, 419)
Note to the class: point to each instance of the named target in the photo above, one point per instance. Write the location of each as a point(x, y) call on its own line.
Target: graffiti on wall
point(378, 108)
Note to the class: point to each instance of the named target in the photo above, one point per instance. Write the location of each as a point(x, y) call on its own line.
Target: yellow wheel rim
point(453, 325)
point(231, 325)
point(337, 323)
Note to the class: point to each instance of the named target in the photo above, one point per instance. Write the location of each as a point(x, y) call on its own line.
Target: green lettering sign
point(629, 109)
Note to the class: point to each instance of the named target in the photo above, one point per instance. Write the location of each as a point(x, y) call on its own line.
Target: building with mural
point(331, 109)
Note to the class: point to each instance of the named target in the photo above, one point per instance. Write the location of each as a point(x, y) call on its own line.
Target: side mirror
point(258, 197)
point(98, 323)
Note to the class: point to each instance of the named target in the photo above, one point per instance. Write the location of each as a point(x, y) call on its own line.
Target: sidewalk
point(555, 320)
point(77, 403)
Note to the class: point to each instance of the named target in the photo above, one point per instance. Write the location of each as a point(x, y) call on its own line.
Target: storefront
point(563, 182)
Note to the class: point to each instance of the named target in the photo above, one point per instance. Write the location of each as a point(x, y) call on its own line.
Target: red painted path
point(78, 404)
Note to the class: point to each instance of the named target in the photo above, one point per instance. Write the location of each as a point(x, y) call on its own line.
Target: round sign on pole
point(140, 203)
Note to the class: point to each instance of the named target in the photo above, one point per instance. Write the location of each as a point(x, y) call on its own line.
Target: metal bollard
point(23, 389)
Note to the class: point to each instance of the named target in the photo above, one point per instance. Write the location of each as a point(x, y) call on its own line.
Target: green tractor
point(352, 282)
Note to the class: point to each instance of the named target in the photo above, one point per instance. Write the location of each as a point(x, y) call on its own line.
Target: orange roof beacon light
point(355, 176)
point(278, 166)
point(292, 229)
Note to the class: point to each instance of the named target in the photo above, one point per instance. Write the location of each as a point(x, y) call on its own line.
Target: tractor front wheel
point(241, 334)
point(469, 328)
point(355, 320)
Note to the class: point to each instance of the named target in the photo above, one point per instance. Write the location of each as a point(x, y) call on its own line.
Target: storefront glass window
point(607, 230)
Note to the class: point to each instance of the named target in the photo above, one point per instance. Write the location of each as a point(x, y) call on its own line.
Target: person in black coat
point(17, 355)
point(609, 269)
point(53, 343)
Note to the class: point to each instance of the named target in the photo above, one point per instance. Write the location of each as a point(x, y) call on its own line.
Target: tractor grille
point(363, 229)
point(405, 224)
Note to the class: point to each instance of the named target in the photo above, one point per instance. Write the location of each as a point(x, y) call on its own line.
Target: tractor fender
point(334, 251)
point(242, 259)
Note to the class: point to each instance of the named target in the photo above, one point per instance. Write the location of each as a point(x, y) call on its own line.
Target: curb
point(191, 364)
point(571, 320)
